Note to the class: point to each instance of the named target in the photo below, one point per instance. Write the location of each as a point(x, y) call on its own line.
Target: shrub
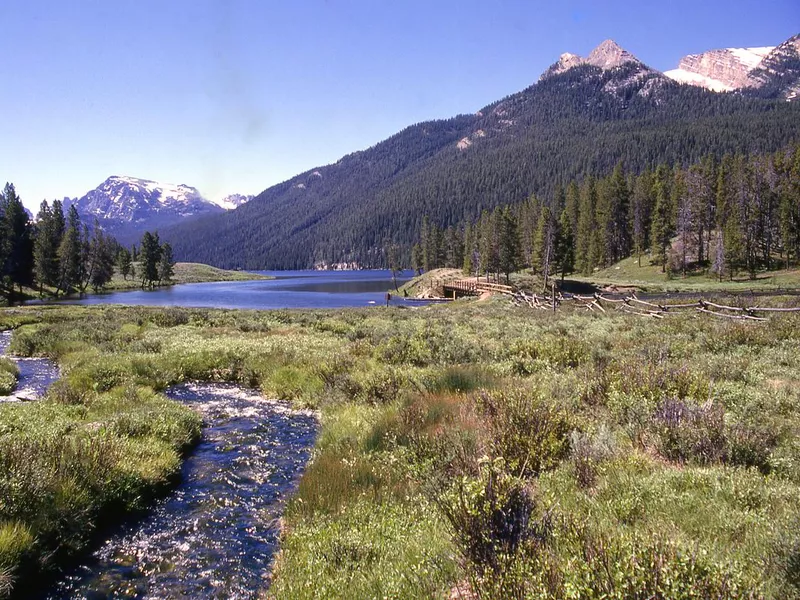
point(528, 432)
point(492, 517)
point(9, 375)
point(589, 451)
point(687, 432)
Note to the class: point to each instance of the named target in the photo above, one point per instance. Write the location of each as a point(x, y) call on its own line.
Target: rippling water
point(35, 374)
point(216, 534)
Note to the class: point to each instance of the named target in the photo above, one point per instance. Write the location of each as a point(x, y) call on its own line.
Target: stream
point(215, 535)
point(35, 374)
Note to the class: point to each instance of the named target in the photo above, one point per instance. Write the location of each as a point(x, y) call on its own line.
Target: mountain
point(768, 71)
point(778, 75)
point(581, 118)
point(128, 206)
point(233, 201)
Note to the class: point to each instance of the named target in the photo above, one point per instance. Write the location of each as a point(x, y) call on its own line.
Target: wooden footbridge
point(473, 286)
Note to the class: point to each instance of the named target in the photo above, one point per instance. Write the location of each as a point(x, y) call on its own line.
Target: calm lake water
point(289, 289)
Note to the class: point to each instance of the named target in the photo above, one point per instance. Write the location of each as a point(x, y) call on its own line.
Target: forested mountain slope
point(577, 121)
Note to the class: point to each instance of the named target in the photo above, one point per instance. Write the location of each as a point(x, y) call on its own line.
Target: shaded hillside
point(581, 121)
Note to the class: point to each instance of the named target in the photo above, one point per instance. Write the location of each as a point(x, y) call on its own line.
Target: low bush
point(531, 434)
point(9, 375)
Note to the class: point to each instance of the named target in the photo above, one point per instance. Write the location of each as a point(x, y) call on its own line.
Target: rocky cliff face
point(767, 71)
point(779, 71)
point(719, 70)
point(609, 55)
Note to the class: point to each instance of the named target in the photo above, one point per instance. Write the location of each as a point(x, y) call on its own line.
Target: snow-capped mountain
point(134, 200)
point(233, 201)
point(769, 70)
point(719, 70)
point(128, 206)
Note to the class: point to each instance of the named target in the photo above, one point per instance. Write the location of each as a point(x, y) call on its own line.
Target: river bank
point(665, 449)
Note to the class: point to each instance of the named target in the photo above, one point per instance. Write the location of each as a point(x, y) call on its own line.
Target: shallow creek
point(216, 534)
point(35, 374)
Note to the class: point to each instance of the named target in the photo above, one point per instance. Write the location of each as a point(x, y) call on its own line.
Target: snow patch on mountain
point(232, 201)
point(720, 70)
point(690, 78)
point(751, 57)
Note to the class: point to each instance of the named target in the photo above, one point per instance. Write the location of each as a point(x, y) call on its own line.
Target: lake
point(289, 289)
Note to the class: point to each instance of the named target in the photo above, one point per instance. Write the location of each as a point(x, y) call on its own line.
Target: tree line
point(60, 255)
point(530, 142)
point(736, 215)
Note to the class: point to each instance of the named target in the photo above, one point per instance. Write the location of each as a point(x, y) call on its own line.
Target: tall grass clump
point(9, 376)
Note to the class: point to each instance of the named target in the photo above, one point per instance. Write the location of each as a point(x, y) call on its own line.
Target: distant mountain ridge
point(127, 206)
point(772, 71)
point(582, 117)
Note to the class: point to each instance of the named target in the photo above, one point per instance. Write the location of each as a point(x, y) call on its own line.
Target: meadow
point(474, 449)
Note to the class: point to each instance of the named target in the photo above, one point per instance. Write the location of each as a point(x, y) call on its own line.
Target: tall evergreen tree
point(45, 251)
point(586, 228)
point(508, 243)
point(166, 264)
point(124, 262)
point(545, 243)
point(660, 231)
point(18, 240)
point(615, 225)
point(566, 244)
point(69, 254)
point(641, 213)
point(469, 251)
point(150, 255)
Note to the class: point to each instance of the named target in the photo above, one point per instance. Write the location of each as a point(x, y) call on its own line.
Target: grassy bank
point(184, 273)
point(501, 451)
point(188, 273)
point(629, 273)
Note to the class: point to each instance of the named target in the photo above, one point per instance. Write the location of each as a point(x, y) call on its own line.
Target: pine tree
point(45, 265)
point(641, 213)
point(124, 263)
point(508, 243)
point(566, 244)
point(416, 259)
point(69, 254)
point(18, 267)
point(615, 226)
point(660, 233)
point(545, 243)
point(586, 228)
point(166, 264)
point(469, 251)
point(150, 255)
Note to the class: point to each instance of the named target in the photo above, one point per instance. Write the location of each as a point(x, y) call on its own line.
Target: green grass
point(187, 273)
point(500, 450)
point(628, 273)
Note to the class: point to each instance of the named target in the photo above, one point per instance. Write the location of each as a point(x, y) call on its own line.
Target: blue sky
point(239, 95)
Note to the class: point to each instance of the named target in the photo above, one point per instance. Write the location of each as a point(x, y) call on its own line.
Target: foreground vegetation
point(468, 448)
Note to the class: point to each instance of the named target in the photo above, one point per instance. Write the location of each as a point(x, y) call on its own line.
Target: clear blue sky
point(234, 96)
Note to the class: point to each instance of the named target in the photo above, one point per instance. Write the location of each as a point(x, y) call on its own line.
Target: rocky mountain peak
point(609, 55)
